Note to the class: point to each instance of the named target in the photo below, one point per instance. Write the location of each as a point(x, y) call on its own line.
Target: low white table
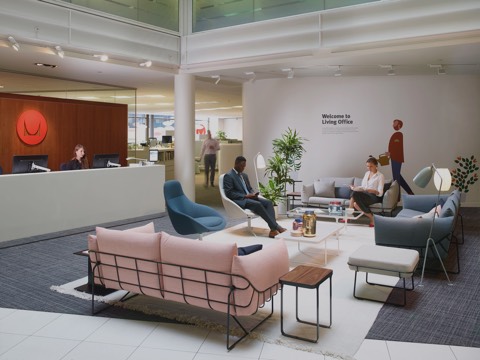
point(324, 230)
point(323, 213)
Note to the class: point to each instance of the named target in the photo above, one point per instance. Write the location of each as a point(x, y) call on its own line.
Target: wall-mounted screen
point(105, 161)
point(29, 164)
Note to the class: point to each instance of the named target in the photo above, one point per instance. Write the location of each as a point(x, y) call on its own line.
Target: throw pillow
point(343, 192)
point(386, 186)
point(245, 250)
point(324, 188)
point(431, 213)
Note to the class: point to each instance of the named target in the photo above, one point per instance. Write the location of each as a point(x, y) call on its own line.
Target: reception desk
point(41, 203)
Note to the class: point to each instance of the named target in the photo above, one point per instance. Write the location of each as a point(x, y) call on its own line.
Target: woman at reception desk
point(79, 160)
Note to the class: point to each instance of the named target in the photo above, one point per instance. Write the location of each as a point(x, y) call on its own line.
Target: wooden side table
point(308, 277)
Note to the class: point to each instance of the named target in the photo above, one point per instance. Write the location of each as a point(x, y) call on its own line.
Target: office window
point(214, 14)
point(161, 13)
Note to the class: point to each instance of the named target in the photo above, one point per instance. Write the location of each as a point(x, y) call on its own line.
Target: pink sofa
point(203, 274)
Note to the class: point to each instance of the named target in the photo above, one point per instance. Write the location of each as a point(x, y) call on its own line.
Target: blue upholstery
point(63, 166)
point(188, 217)
point(408, 232)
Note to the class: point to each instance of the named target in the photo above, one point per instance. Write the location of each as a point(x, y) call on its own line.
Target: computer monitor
point(29, 164)
point(167, 139)
point(105, 160)
point(153, 155)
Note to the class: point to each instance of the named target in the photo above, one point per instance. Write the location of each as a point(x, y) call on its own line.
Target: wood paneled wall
point(100, 127)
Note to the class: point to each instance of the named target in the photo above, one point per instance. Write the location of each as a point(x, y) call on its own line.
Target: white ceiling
point(155, 93)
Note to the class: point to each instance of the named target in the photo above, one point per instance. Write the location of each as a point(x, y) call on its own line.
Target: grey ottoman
point(384, 260)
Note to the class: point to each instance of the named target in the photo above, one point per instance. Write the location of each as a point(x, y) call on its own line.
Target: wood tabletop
point(306, 276)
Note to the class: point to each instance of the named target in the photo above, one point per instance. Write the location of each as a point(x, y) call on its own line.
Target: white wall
point(441, 116)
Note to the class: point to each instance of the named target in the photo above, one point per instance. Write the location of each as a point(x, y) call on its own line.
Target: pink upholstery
point(263, 269)
point(126, 244)
point(198, 254)
point(160, 265)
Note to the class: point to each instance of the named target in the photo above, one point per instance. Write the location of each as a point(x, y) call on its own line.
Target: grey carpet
point(437, 313)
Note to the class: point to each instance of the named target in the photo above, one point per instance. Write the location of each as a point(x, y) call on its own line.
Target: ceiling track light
point(13, 43)
point(102, 57)
point(216, 77)
point(440, 68)
point(391, 72)
point(59, 51)
point(147, 64)
point(252, 76)
point(338, 72)
point(290, 74)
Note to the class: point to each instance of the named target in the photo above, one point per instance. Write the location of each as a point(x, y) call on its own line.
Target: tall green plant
point(287, 155)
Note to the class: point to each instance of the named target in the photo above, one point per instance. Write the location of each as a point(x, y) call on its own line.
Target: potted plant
point(464, 175)
point(271, 191)
point(287, 155)
point(221, 135)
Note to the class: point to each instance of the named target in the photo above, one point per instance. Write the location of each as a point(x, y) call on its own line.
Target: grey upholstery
point(407, 231)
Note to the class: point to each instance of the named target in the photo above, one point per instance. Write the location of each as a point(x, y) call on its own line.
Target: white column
point(185, 133)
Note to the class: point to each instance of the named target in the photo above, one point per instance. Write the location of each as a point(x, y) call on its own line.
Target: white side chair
point(233, 210)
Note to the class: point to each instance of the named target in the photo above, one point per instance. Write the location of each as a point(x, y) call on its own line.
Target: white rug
point(351, 320)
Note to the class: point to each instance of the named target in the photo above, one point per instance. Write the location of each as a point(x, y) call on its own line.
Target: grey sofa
point(327, 189)
point(411, 227)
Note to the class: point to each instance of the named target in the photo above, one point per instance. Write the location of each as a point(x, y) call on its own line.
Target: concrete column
point(185, 133)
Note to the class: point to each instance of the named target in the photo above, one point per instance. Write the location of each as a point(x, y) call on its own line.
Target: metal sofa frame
point(260, 296)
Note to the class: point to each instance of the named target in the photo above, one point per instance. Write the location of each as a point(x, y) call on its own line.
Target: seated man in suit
point(237, 188)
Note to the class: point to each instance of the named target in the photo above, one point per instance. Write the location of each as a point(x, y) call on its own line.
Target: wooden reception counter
point(41, 203)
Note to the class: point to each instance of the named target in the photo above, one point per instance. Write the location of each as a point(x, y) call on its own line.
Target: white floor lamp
point(442, 180)
point(259, 163)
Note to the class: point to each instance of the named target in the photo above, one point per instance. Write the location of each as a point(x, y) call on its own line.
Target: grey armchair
point(408, 231)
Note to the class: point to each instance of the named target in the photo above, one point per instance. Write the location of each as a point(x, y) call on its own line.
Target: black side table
point(308, 277)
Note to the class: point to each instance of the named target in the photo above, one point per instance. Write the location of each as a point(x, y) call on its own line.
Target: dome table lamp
point(259, 163)
point(442, 180)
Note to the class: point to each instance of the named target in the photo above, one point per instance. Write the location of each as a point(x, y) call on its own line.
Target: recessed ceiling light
point(147, 64)
point(102, 57)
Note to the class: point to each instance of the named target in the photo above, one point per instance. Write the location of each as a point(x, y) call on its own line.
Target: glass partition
point(214, 14)
point(162, 13)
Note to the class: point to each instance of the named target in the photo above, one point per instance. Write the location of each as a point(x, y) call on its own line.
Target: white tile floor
point(49, 336)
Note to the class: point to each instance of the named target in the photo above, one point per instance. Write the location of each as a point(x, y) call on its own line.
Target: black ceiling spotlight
point(46, 65)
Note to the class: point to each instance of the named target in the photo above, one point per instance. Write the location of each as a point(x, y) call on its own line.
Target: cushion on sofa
point(121, 271)
point(263, 268)
point(147, 228)
point(191, 282)
point(324, 188)
point(450, 206)
point(431, 213)
point(343, 192)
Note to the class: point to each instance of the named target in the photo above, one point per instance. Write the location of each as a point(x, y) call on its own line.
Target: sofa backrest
point(119, 270)
point(260, 268)
point(194, 276)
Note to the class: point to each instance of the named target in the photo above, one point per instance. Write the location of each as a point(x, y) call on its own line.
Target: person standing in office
point(79, 160)
point(209, 153)
point(237, 188)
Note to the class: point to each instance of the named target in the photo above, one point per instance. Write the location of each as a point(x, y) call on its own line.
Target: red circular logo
point(31, 127)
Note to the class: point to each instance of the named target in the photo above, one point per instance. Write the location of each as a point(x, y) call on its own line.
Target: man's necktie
point(244, 184)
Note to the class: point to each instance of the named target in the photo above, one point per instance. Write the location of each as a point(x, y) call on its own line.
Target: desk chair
point(188, 217)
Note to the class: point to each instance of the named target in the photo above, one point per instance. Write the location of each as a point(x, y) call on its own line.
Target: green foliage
point(272, 191)
point(464, 175)
point(287, 155)
point(221, 135)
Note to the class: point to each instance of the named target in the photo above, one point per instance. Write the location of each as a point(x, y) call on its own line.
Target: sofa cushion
point(434, 212)
point(147, 228)
point(324, 188)
point(123, 272)
point(343, 192)
point(195, 258)
point(450, 207)
point(264, 269)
